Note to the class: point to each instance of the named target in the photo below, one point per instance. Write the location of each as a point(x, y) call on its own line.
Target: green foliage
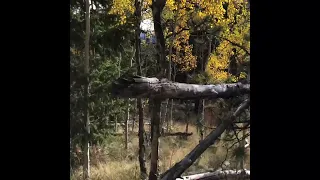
point(107, 41)
point(112, 49)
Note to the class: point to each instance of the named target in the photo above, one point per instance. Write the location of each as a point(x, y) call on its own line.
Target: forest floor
point(113, 162)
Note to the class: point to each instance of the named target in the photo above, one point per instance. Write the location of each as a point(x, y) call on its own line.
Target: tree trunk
point(188, 160)
point(200, 119)
point(119, 74)
point(169, 75)
point(128, 113)
point(116, 124)
point(126, 125)
point(218, 175)
point(242, 144)
point(165, 116)
point(171, 104)
point(157, 7)
point(155, 130)
point(169, 119)
point(187, 122)
point(134, 114)
point(86, 165)
point(142, 147)
point(142, 87)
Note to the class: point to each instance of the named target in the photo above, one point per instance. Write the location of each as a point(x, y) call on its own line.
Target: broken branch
point(186, 162)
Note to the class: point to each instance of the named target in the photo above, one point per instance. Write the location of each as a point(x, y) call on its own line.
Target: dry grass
point(113, 162)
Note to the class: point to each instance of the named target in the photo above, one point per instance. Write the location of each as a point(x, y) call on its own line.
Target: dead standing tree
point(153, 88)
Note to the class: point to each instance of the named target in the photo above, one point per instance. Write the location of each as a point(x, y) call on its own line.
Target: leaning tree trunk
point(142, 147)
point(86, 165)
point(189, 159)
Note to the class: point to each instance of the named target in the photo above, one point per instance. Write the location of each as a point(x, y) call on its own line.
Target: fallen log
point(219, 175)
point(143, 87)
point(163, 135)
point(177, 134)
point(188, 160)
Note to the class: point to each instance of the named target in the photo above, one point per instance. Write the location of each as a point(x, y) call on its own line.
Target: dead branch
point(218, 175)
point(186, 162)
point(177, 134)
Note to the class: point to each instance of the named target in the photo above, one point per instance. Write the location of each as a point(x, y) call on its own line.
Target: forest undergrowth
point(111, 161)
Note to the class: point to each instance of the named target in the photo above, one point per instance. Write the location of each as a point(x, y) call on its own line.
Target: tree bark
point(169, 75)
point(126, 125)
point(187, 120)
point(142, 87)
point(86, 165)
point(128, 113)
point(218, 175)
point(157, 7)
point(134, 114)
point(119, 74)
point(186, 162)
point(200, 119)
point(155, 134)
point(142, 147)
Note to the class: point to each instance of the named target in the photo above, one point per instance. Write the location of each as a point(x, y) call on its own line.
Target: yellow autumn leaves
point(122, 8)
point(236, 27)
point(235, 22)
